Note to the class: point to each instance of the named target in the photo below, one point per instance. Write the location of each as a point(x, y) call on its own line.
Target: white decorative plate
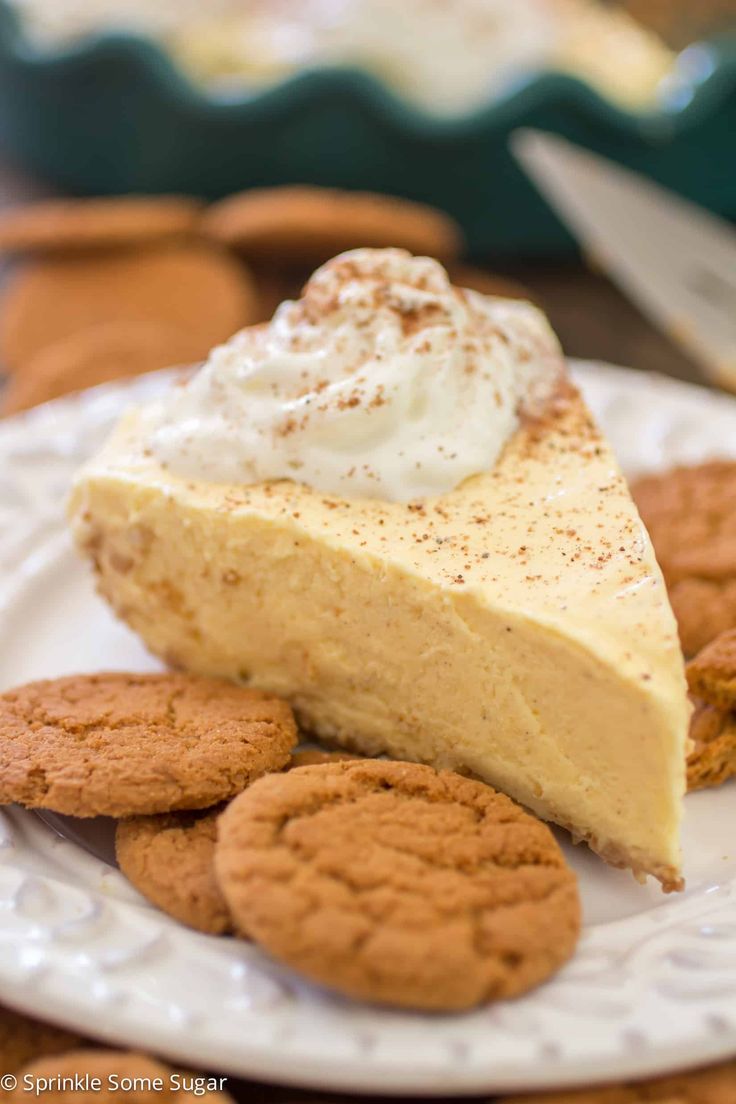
point(652, 987)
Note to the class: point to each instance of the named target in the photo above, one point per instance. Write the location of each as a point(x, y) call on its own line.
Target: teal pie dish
point(114, 114)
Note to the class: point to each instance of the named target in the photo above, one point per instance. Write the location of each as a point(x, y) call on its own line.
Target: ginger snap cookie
point(396, 883)
point(23, 1039)
point(715, 1085)
point(690, 513)
point(303, 224)
point(100, 354)
point(193, 288)
point(123, 744)
point(70, 225)
point(135, 1077)
point(170, 860)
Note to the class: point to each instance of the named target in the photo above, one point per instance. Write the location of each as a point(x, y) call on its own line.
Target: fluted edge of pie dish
point(39, 87)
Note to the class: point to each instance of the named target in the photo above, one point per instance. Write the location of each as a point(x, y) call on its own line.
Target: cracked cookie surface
point(121, 744)
point(397, 883)
point(170, 860)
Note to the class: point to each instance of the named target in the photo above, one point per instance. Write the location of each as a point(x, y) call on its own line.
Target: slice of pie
point(515, 625)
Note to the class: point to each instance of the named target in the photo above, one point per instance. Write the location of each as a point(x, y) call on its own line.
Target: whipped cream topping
point(383, 381)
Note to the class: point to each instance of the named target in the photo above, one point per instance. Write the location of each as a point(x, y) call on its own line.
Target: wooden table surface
point(592, 320)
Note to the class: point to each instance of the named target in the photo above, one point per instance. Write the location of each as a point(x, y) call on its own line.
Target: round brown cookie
point(294, 224)
point(716, 1085)
point(170, 860)
point(111, 351)
point(396, 883)
point(487, 283)
point(23, 1039)
point(195, 289)
point(124, 744)
point(67, 225)
point(150, 1080)
point(712, 674)
point(690, 513)
point(310, 757)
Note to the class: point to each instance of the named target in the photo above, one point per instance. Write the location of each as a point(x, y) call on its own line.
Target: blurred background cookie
point(99, 354)
point(310, 225)
point(690, 513)
point(195, 288)
point(72, 225)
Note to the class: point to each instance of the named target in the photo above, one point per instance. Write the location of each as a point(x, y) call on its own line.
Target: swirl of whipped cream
point(383, 381)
